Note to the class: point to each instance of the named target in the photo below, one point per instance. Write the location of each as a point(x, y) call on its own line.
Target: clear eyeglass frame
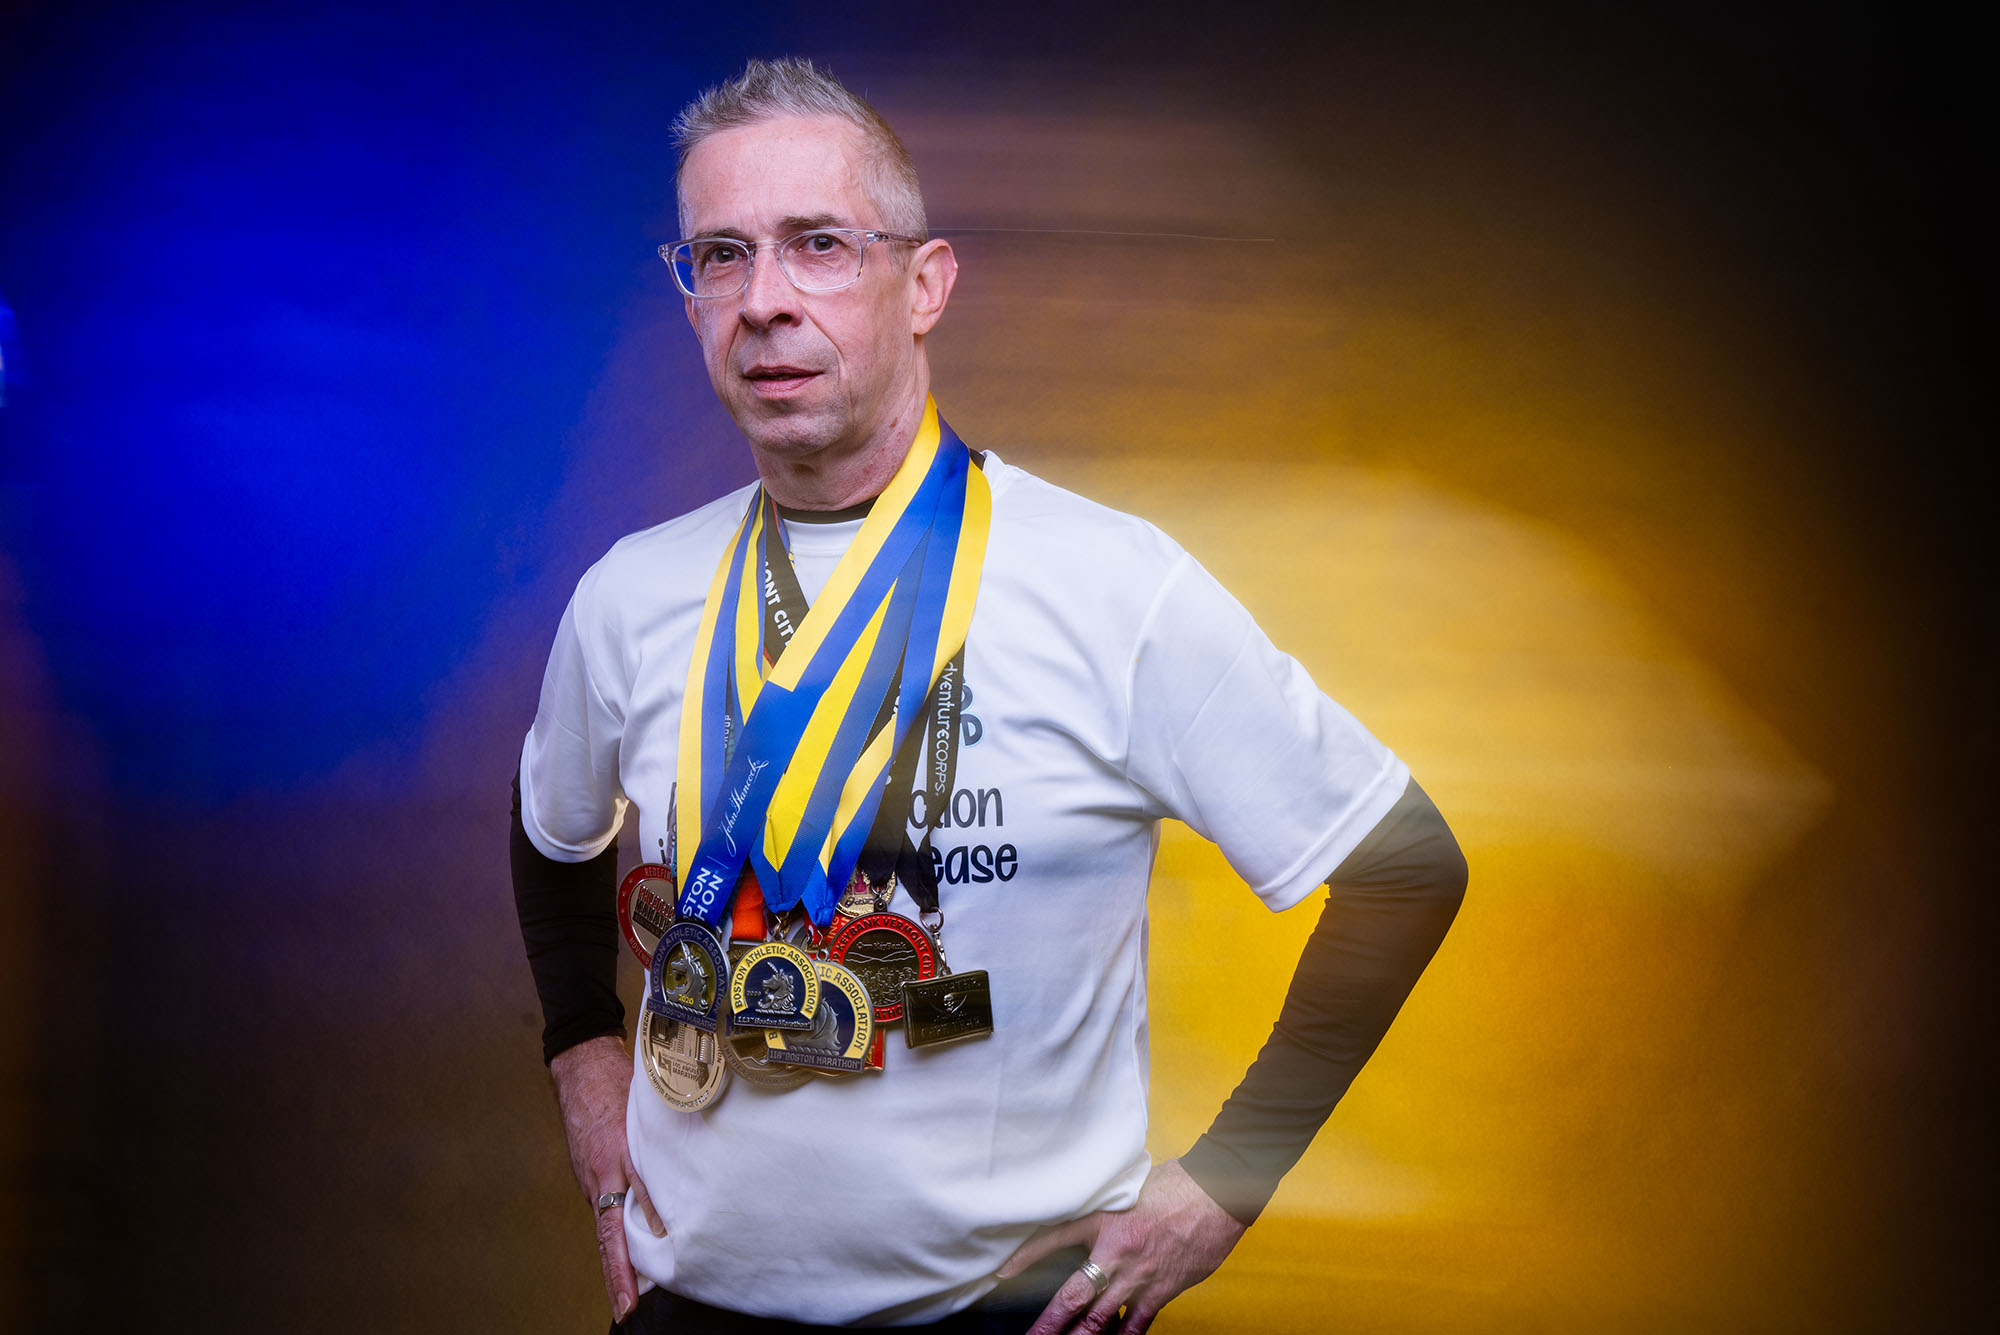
point(679, 256)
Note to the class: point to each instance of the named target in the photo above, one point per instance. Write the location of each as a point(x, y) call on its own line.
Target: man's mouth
point(778, 378)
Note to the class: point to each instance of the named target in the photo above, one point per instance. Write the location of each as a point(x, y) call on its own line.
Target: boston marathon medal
point(747, 1054)
point(646, 907)
point(773, 987)
point(683, 1064)
point(885, 951)
point(946, 1008)
point(744, 1051)
point(684, 977)
point(843, 1028)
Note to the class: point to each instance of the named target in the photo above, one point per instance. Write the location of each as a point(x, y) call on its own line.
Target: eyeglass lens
point(816, 261)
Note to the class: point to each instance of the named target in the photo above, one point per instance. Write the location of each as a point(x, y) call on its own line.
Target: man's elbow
point(1448, 892)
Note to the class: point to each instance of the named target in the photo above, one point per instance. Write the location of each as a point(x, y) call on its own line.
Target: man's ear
point(932, 273)
point(694, 322)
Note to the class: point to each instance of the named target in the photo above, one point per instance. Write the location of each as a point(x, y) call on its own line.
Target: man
point(997, 1182)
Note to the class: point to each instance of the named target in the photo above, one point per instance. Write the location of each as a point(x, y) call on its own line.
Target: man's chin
point(787, 429)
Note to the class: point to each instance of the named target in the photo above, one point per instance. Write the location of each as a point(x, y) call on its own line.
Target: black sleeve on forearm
point(1389, 905)
point(569, 923)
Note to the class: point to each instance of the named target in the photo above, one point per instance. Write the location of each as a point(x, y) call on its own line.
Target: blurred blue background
point(306, 304)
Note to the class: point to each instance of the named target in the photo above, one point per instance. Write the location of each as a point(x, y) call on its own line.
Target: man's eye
point(822, 243)
point(721, 255)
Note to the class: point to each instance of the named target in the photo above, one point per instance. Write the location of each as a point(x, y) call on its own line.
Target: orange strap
point(747, 916)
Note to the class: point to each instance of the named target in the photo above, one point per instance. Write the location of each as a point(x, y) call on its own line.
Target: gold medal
point(684, 979)
point(747, 1055)
point(745, 1052)
point(861, 897)
point(843, 1029)
point(684, 1064)
point(773, 987)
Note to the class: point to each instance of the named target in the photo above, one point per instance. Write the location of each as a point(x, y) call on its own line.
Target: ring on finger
point(1095, 1273)
point(609, 1199)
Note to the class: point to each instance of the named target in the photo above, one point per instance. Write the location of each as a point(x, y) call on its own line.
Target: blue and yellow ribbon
point(785, 759)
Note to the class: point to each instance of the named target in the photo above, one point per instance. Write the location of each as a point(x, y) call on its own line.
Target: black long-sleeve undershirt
point(1389, 904)
point(569, 923)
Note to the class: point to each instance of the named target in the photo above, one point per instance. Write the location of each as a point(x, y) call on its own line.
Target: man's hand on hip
point(593, 1081)
point(1171, 1240)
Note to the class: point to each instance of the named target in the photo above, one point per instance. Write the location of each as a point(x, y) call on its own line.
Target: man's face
point(800, 371)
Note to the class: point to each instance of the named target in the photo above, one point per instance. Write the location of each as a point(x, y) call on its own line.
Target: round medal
point(683, 1064)
point(747, 1054)
point(886, 950)
point(861, 897)
point(843, 1029)
point(684, 976)
point(646, 907)
point(773, 987)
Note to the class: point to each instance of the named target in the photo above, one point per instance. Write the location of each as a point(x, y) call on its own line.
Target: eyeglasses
point(822, 259)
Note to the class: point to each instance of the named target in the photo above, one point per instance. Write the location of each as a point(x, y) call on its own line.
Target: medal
point(946, 1008)
point(843, 1029)
point(747, 1055)
point(885, 951)
point(774, 987)
point(684, 976)
point(862, 898)
point(646, 907)
point(683, 1064)
point(744, 1051)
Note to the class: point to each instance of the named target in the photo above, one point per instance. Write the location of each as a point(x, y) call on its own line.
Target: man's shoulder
point(1052, 512)
point(1038, 521)
point(669, 561)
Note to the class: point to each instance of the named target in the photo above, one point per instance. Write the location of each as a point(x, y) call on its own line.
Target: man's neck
point(837, 480)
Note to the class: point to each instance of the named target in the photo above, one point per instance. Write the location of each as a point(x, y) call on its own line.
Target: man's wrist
point(593, 1084)
point(1225, 1179)
point(593, 1080)
point(594, 1054)
point(592, 1047)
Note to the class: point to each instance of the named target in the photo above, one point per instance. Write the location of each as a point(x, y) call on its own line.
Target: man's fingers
point(1073, 1298)
point(621, 1285)
point(637, 1198)
point(1102, 1309)
point(1103, 1315)
point(1051, 1239)
point(1139, 1315)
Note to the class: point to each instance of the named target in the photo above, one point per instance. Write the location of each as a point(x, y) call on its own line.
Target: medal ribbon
point(925, 763)
point(795, 794)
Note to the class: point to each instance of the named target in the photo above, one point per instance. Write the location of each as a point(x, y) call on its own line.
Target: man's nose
point(769, 297)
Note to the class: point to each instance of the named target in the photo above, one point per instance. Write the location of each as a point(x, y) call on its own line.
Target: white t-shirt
point(1111, 682)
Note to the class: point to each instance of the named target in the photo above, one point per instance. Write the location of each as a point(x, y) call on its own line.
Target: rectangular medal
point(948, 1007)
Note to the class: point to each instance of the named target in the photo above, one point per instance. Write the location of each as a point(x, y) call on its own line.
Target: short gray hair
point(770, 89)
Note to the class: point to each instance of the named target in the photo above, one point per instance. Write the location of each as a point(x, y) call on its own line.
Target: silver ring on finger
point(1095, 1273)
point(609, 1199)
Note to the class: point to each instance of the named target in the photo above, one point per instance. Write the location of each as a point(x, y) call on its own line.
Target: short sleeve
point(571, 800)
point(1232, 736)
